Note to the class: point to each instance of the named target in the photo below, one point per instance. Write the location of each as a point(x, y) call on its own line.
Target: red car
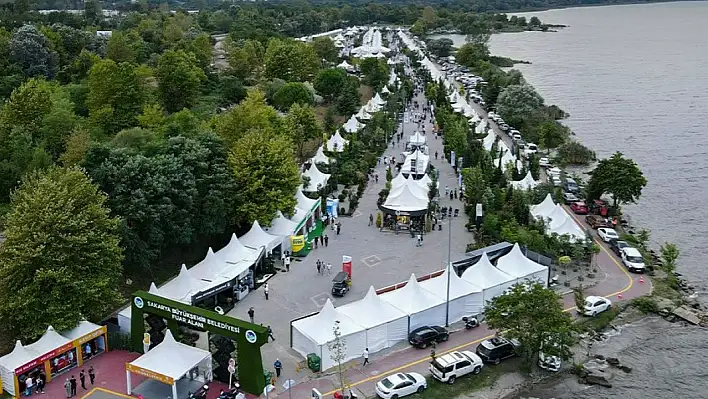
point(579, 208)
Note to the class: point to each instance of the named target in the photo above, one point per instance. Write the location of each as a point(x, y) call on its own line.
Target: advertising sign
point(189, 318)
point(47, 356)
point(149, 374)
point(297, 243)
point(347, 265)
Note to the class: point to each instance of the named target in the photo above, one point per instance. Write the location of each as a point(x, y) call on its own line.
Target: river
point(633, 80)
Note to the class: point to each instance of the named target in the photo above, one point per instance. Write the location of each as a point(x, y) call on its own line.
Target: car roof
point(450, 358)
point(593, 298)
point(422, 329)
point(396, 378)
point(579, 203)
point(631, 251)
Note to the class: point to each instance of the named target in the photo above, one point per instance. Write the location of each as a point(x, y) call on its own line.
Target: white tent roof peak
point(485, 275)
point(303, 201)
point(385, 90)
point(183, 358)
point(544, 208)
point(526, 183)
point(317, 179)
point(516, 264)
point(19, 356)
point(337, 142)
point(412, 298)
point(378, 100)
point(153, 289)
point(48, 342)
point(257, 237)
point(320, 156)
point(281, 225)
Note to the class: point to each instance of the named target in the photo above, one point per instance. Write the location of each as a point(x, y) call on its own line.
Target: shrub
point(379, 219)
point(341, 197)
point(645, 304)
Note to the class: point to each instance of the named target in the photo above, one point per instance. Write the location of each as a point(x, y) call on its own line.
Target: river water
point(633, 79)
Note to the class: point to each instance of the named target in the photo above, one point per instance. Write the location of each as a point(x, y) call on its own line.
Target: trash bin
point(313, 362)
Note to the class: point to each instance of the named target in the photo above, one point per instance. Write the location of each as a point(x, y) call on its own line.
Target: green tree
point(293, 93)
point(325, 49)
point(348, 101)
point(619, 177)
point(535, 318)
point(375, 71)
point(246, 60)
point(574, 153)
point(116, 95)
point(579, 297)
point(31, 51)
point(669, 255)
point(291, 60)
point(266, 175)
point(440, 47)
point(251, 113)
point(61, 256)
point(475, 186)
point(470, 54)
point(77, 145)
point(153, 118)
point(518, 104)
point(120, 48)
point(178, 77)
point(232, 90)
point(302, 126)
point(551, 134)
point(330, 83)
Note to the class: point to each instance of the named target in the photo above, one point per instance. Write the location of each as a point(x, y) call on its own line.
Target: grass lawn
point(469, 383)
point(599, 322)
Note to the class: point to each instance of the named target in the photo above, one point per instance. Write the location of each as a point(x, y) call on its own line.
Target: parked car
point(579, 208)
point(595, 305)
point(531, 148)
point(617, 245)
point(516, 136)
point(495, 350)
point(556, 180)
point(597, 221)
point(399, 385)
point(571, 186)
point(421, 337)
point(607, 234)
point(549, 362)
point(447, 368)
point(633, 260)
point(569, 198)
point(544, 162)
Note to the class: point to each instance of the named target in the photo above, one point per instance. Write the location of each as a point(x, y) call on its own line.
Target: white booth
point(422, 306)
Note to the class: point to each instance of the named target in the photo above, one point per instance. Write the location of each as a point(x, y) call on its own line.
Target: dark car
point(617, 245)
point(597, 221)
point(340, 284)
point(421, 337)
point(495, 350)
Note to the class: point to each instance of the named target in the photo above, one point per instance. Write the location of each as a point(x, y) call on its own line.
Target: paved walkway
point(380, 259)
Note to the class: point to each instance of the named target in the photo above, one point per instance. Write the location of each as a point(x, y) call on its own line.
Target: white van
point(633, 260)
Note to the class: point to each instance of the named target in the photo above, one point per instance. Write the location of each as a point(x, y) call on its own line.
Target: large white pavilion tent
point(257, 238)
point(49, 341)
point(516, 264)
point(466, 299)
point(317, 179)
point(486, 276)
point(419, 190)
point(336, 143)
point(422, 306)
point(408, 199)
point(385, 324)
point(417, 158)
point(417, 139)
point(544, 208)
point(311, 335)
point(168, 362)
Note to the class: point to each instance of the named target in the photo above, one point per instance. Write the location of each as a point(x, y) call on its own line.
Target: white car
point(548, 362)
point(516, 136)
point(544, 162)
point(595, 305)
point(531, 148)
point(607, 234)
point(399, 385)
point(449, 367)
point(633, 259)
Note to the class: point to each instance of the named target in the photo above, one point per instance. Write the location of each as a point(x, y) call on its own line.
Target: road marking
point(320, 299)
point(371, 261)
point(356, 214)
point(107, 391)
point(629, 286)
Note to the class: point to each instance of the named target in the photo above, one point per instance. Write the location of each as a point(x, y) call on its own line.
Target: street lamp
point(448, 271)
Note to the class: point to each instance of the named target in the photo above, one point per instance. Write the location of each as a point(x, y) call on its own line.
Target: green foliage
point(579, 296)
point(302, 126)
point(246, 60)
point(440, 47)
point(116, 95)
point(669, 255)
point(348, 101)
point(646, 304)
point(475, 186)
point(574, 153)
point(251, 113)
point(61, 256)
point(293, 93)
point(519, 103)
point(325, 49)
point(330, 83)
point(619, 177)
point(232, 90)
point(266, 175)
point(375, 71)
point(534, 317)
point(178, 76)
point(31, 51)
point(290, 60)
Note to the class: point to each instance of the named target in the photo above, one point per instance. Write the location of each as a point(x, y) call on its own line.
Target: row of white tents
point(380, 321)
point(356, 122)
point(557, 219)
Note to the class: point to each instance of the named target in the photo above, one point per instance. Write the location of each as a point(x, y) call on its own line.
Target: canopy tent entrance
point(407, 201)
point(516, 264)
point(169, 363)
point(422, 306)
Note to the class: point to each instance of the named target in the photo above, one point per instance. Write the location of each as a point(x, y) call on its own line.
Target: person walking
point(73, 385)
point(329, 268)
point(270, 333)
point(315, 242)
point(82, 378)
point(67, 388)
point(92, 372)
point(447, 190)
point(251, 314)
point(419, 240)
point(41, 382)
point(436, 153)
point(319, 267)
point(326, 238)
point(287, 263)
point(278, 367)
point(371, 219)
point(455, 193)
point(29, 384)
point(265, 290)
point(366, 357)
point(339, 227)
point(450, 195)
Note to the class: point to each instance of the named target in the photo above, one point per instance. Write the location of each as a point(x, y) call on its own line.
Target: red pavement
point(617, 282)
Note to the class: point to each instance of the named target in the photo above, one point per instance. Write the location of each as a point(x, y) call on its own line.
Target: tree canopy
point(619, 177)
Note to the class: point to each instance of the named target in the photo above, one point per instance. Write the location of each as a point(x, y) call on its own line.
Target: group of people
point(323, 267)
point(70, 383)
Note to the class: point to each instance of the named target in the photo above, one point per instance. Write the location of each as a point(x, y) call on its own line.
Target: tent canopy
point(317, 179)
point(558, 217)
point(257, 237)
point(320, 157)
point(570, 228)
point(337, 142)
point(306, 203)
point(544, 208)
point(398, 181)
point(406, 200)
point(526, 183)
point(19, 356)
point(516, 264)
point(371, 311)
point(281, 226)
point(412, 298)
point(171, 358)
point(183, 286)
point(318, 328)
point(483, 274)
point(82, 329)
point(50, 340)
point(417, 138)
point(416, 188)
point(458, 287)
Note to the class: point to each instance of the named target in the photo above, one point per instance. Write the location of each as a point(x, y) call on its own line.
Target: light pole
point(449, 270)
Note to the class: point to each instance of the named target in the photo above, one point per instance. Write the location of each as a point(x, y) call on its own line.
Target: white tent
point(489, 140)
point(378, 100)
point(466, 299)
point(571, 229)
point(182, 287)
point(371, 107)
point(317, 179)
point(308, 204)
point(516, 264)
point(385, 324)
point(385, 90)
point(425, 181)
point(485, 275)
point(420, 190)
point(226, 264)
point(557, 217)
point(320, 157)
point(526, 183)
point(417, 158)
point(544, 208)
point(336, 143)
point(282, 226)
point(362, 114)
point(257, 237)
point(311, 335)
point(351, 126)
point(408, 199)
point(422, 306)
point(398, 181)
point(19, 356)
point(49, 341)
point(417, 139)
point(346, 66)
point(170, 359)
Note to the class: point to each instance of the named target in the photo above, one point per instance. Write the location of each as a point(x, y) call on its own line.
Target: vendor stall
point(58, 351)
point(91, 339)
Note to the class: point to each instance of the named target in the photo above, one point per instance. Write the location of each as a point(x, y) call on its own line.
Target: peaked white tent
point(417, 139)
point(516, 264)
point(362, 114)
point(317, 179)
point(300, 216)
point(408, 199)
point(182, 358)
point(422, 306)
point(320, 157)
point(569, 228)
point(398, 181)
point(182, 287)
point(305, 203)
point(282, 226)
point(371, 107)
point(544, 208)
point(257, 238)
point(527, 183)
point(485, 275)
point(466, 299)
point(417, 158)
point(378, 100)
point(49, 341)
point(311, 335)
point(489, 140)
point(226, 264)
point(336, 143)
point(416, 188)
point(556, 218)
point(385, 90)
point(19, 356)
point(351, 126)
point(346, 66)
point(385, 324)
